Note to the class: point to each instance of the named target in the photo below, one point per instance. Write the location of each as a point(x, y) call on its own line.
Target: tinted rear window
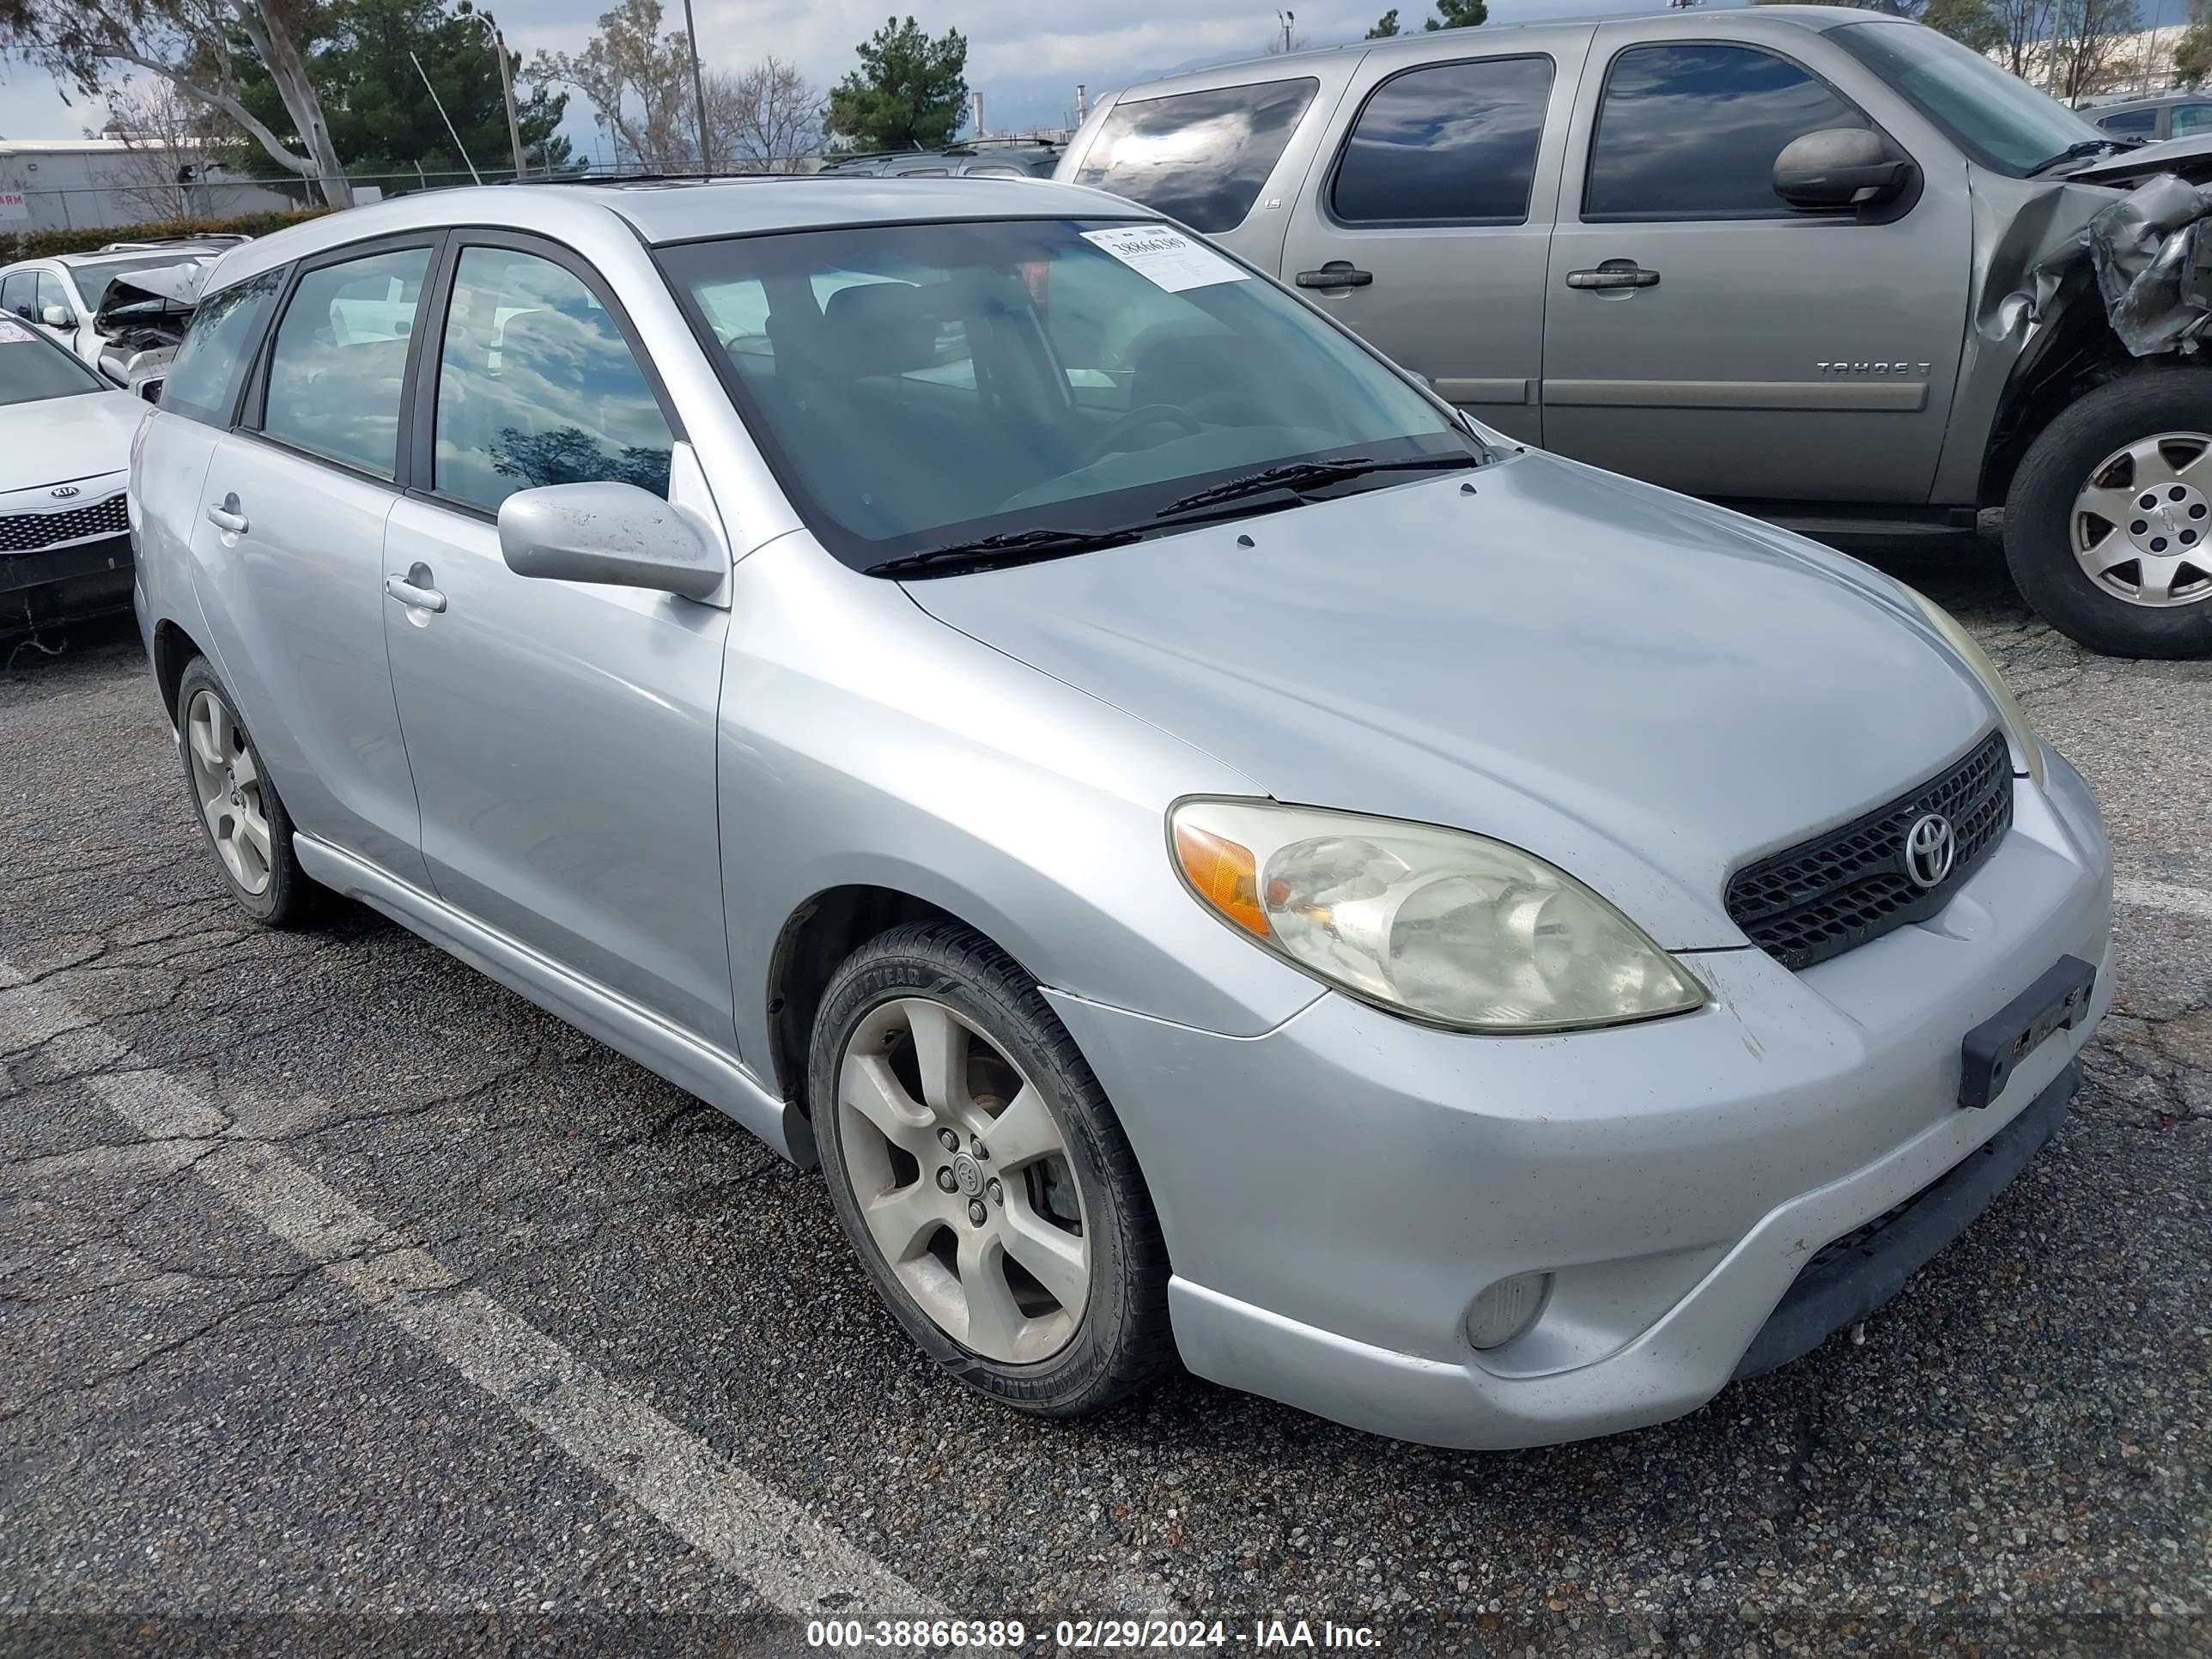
point(1198, 156)
point(1456, 143)
point(1691, 132)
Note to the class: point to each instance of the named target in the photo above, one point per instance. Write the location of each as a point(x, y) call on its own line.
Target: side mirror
point(614, 533)
point(56, 316)
point(1840, 167)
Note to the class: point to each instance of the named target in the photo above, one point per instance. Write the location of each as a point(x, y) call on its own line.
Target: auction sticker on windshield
point(11, 332)
point(1166, 257)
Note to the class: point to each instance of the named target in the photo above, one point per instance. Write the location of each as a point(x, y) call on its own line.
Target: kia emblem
point(64, 491)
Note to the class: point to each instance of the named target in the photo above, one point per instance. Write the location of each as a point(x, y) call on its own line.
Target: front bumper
point(53, 586)
point(1336, 1192)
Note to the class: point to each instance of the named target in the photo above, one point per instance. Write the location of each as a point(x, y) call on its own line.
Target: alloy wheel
point(2143, 523)
point(960, 1174)
point(227, 784)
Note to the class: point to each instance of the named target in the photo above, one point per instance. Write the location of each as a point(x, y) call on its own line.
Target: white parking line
point(800, 1566)
point(2165, 895)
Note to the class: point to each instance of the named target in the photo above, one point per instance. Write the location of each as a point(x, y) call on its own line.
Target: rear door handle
point(227, 517)
point(1337, 273)
point(1614, 273)
point(414, 591)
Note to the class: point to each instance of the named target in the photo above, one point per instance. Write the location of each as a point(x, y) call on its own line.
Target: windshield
point(32, 369)
point(915, 386)
point(1996, 117)
point(93, 282)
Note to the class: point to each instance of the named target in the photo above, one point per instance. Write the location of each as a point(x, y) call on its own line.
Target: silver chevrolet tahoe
point(1808, 261)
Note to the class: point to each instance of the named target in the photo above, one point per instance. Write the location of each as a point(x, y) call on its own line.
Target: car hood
point(1643, 688)
point(57, 440)
point(2190, 157)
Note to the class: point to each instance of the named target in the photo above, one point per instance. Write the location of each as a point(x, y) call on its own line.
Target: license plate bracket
point(1994, 1050)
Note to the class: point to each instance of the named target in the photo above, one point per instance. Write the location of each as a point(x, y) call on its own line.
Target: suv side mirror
point(1840, 167)
point(56, 316)
point(613, 533)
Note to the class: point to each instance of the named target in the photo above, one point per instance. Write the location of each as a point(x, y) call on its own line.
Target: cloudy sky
point(1024, 57)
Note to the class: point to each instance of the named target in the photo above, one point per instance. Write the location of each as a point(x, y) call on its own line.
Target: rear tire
point(1025, 1257)
point(239, 813)
point(2131, 581)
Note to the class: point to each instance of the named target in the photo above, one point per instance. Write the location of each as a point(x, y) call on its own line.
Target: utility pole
point(506, 91)
point(976, 104)
point(1082, 103)
point(698, 88)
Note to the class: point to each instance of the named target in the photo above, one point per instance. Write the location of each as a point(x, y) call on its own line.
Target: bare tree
point(638, 82)
point(164, 137)
point(774, 116)
point(193, 46)
point(2088, 38)
point(2023, 26)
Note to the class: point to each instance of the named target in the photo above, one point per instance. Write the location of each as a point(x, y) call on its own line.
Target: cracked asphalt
point(221, 1431)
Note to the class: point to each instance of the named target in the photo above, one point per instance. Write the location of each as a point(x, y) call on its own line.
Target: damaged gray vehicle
point(1827, 267)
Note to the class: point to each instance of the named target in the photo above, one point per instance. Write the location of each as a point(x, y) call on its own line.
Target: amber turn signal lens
point(1223, 875)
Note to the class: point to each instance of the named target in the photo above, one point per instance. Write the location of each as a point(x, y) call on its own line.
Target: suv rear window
point(1454, 143)
point(1197, 156)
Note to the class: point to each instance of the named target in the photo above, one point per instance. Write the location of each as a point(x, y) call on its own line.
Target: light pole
point(1286, 18)
point(506, 91)
point(698, 86)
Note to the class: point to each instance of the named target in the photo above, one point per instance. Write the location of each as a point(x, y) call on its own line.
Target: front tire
point(982, 1177)
point(2108, 525)
point(247, 826)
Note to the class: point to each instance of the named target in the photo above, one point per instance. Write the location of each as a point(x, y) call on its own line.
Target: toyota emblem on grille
point(1930, 846)
point(63, 491)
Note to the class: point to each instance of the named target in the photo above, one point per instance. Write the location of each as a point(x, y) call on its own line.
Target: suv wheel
point(978, 1171)
point(2108, 527)
point(245, 823)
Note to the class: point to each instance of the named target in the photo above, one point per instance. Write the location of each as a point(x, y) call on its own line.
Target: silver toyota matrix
point(1222, 859)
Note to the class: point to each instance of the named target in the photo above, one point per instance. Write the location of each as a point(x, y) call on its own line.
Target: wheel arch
point(2077, 353)
point(173, 651)
point(813, 942)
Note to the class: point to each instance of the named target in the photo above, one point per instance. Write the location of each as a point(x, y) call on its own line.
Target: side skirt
point(707, 1072)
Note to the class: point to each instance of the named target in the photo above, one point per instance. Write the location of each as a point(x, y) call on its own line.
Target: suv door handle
point(227, 517)
point(1614, 273)
point(414, 591)
point(1337, 273)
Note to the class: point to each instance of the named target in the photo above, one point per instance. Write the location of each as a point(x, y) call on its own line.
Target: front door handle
point(1337, 273)
point(227, 517)
point(414, 591)
point(1614, 273)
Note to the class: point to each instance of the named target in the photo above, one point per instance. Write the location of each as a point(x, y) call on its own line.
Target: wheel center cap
point(2173, 518)
point(968, 1174)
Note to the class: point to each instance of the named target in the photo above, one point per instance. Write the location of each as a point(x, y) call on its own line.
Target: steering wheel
point(1136, 421)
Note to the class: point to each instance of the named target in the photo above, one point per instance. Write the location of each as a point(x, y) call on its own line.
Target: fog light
point(1506, 1309)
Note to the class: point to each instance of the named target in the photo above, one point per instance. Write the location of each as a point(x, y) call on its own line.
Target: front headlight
point(1449, 927)
point(2014, 717)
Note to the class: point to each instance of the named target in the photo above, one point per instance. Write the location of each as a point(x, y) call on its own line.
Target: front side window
point(1691, 132)
point(1996, 117)
point(51, 293)
point(34, 368)
point(337, 366)
point(1198, 156)
point(916, 385)
point(1452, 144)
point(205, 373)
point(536, 386)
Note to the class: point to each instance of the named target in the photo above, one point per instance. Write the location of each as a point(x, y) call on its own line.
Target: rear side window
point(1691, 132)
point(1452, 144)
point(2134, 123)
point(1198, 156)
point(338, 366)
point(2191, 118)
point(16, 293)
point(204, 376)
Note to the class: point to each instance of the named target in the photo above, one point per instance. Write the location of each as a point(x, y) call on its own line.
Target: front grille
point(22, 533)
point(1834, 893)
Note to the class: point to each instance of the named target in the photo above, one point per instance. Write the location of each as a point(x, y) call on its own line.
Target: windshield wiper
point(989, 552)
point(2081, 151)
point(1313, 475)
